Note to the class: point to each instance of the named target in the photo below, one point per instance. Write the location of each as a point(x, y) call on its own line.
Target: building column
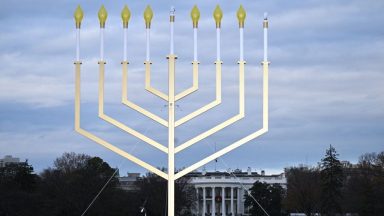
point(213, 202)
point(204, 202)
point(223, 201)
point(197, 201)
point(238, 200)
point(232, 210)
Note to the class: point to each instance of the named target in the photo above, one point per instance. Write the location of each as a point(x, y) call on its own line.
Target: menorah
point(171, 97)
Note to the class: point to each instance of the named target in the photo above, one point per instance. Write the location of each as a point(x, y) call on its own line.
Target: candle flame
point(78, 15)
point(218, 15)
point(102, 16)
point(125, 16)
point(195, 15)
point(148, 15)
point(241, 14)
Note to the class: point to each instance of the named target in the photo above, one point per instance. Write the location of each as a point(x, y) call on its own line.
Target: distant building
point(8, 159)
point(221, 193)
point(128, 182)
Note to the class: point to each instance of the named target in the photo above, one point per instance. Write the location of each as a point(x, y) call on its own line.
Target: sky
point(326, 81)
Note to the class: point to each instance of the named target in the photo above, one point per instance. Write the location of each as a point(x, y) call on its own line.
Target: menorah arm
point(195, 82)
point(148, 86)
point(242, 141)
point(125, 101)
point(209, 106)
point(116, 123)
point(226, 123)
point(101, 141)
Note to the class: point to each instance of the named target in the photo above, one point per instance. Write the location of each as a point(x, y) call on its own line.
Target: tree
point(70, 161)
point(18, 186)
point(153, 195)
point(364, 187)
point(331, 182)
point(269, 196)
point(303, 190)
point(76, 180)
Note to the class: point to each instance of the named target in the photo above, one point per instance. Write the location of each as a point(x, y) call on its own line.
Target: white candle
point(101, 44)
point(148, 50)
point(172, 14)
point(265, 37)
point(77, 44)
point(125, 44)
point(241, 44)
point(194, 44)
point(218, 44)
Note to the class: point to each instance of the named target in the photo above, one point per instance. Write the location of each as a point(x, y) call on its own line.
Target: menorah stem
point(265, 95)
point(171, 135)
point(77, 95)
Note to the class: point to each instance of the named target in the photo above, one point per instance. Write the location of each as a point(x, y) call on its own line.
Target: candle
point(125, 44)
point(218, 15)
point(125, 15)
point(77, 44)
point(241, 57)
point(194, 44)
point(78, 15)
point(195, 15)
point(241, 14)
point(101, 44)
point(218, 57)
point(102, 18)
point(265, 26)
point(148, 51)
point(172, 20)
point(148, 15)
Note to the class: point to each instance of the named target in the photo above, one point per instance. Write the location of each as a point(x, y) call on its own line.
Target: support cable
point(110, 178)
point(238, 181)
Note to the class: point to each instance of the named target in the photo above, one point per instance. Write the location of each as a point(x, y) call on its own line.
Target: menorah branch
point(116, 123)
point(98, 139)
point(242, 141)
point(226, 123)
point(125, 101)
point(195, 82)
point(209, 106)
point(148, 86)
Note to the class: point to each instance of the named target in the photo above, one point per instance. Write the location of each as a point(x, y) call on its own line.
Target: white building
point(8, 159)
point(221, 193)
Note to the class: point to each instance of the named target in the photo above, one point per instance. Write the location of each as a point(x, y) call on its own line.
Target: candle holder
point(171, 98)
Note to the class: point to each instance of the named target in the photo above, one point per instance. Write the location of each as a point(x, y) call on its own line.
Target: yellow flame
point(125, 15)
point(241, 14)
point(78, 15)
point(218, 15)
point(195, 15)
point(148, 14)
point(102, 15)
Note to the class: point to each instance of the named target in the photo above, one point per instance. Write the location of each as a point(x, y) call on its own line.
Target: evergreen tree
point(331, 177)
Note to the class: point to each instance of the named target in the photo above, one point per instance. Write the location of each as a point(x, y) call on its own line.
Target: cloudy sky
point(326, 80)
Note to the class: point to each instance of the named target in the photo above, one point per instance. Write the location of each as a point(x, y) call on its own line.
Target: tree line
point(70, 187)
point(332, 188)
point(72, 184)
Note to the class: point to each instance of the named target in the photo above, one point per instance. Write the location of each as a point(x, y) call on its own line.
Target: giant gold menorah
point(171, 97)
